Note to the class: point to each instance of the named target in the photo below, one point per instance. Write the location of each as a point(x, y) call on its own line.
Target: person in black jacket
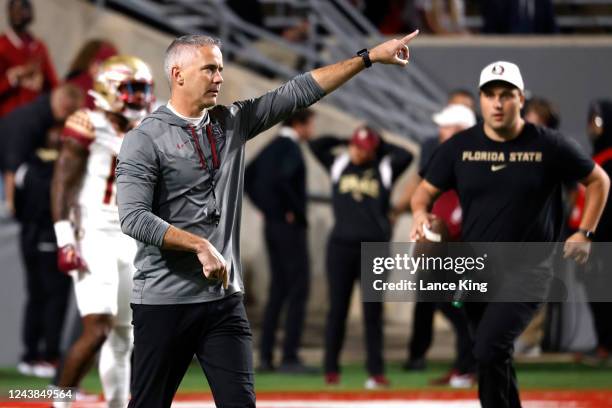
point(276, 183)
point(47, 288)
point(362, 180)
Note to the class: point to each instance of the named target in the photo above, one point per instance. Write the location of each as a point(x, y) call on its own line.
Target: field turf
point(532, 376)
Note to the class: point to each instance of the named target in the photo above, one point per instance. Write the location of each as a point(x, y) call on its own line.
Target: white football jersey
point(97, 197)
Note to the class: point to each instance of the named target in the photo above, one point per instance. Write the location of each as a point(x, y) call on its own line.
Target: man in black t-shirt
point(508, 174)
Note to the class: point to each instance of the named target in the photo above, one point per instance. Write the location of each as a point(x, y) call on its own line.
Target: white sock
point(114, 366)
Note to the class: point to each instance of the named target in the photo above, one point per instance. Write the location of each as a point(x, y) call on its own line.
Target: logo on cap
point(365, 138)
point(497, 69)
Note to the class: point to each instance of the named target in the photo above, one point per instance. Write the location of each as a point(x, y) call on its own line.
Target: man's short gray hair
point(183, 48)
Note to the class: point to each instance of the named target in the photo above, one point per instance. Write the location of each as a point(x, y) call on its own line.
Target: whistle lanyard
point(215, 156)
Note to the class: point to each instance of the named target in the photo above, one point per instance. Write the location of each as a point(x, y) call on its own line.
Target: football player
point(92, 247)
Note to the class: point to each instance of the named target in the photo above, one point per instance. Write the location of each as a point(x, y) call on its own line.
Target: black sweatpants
point(495, 326)
point(289, 284)
point(343, 269)
point(48, 291)
point(167, 336)
point(422, 334)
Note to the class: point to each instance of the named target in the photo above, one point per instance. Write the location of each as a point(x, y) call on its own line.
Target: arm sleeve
point(571, 162)
point(137, 175)
point(440, 170)
point(258, 114)
point(322, 148)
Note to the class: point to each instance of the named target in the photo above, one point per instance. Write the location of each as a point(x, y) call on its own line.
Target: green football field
point(540, 376)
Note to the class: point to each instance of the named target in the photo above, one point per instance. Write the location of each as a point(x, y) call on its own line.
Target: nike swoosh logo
point(497, 167)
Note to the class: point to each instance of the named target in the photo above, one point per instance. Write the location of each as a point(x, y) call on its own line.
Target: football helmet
point(124, 85)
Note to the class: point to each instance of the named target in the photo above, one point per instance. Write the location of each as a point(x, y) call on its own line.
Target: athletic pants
point(166, 337)
point(47, 289)
point(422, 334)
point(289, 285)
point(343, 269)
point(495, 326)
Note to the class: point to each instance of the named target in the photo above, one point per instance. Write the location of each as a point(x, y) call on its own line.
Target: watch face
point(366, 57)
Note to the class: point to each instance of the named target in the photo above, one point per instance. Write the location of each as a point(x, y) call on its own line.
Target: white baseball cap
point(502, 71)
point(454, 115)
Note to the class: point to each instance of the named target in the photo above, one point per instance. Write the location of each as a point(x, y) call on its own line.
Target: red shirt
point(19, 50)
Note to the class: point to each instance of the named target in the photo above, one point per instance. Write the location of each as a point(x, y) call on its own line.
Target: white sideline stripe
point(375, 404)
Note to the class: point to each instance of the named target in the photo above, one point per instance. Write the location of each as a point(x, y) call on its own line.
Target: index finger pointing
point(409, 37)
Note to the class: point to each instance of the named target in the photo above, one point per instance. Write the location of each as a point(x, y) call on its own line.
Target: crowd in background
point(34, 103)
point(461, 17)
point(446, 17)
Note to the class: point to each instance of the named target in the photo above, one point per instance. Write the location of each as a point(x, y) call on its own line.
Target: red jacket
point(14, 51)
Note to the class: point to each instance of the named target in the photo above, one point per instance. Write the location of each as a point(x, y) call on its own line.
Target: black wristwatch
point(365, 56)
point(587, 234)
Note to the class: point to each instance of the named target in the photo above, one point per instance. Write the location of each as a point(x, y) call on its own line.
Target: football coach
point(180, 181)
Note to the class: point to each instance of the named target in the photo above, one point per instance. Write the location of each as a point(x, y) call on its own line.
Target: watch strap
point(365, 55)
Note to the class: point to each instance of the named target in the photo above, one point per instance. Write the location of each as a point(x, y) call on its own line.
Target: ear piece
point(598, 121)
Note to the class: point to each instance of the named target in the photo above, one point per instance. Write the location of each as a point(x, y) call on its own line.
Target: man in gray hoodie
point(180, 180)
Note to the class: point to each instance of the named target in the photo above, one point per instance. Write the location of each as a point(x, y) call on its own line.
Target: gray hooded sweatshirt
point(172, 173)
